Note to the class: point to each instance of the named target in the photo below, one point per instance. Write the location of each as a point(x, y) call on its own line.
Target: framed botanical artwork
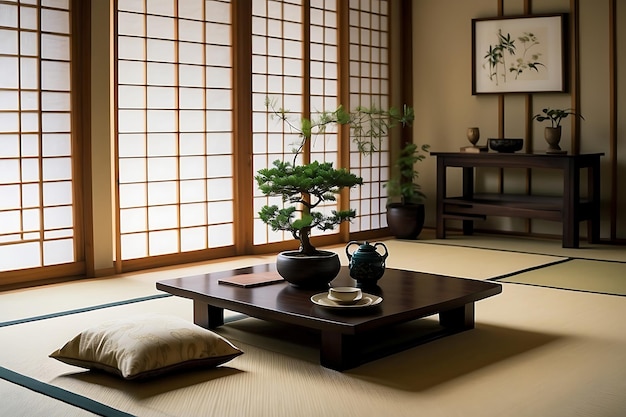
point(519, 54)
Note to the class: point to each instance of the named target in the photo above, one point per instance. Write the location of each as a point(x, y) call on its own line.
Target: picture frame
point(519, 54)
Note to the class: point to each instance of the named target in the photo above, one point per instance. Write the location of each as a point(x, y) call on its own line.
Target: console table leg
point(461, 318)
point(207, 316)
point(337, 351)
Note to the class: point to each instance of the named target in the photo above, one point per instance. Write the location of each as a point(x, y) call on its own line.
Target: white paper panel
point(221, 235)
point(163, 242)
point(55, 47)
point(193, 239)
point(193, 214)
point(55, 21)
point(57, 193)
point(55, 75)
point(162, 193)
point(57, 217)
point(162, 217)
point(162, 169)
point(220, 212)
point(30, 196)
point(133, 220)
point(192, 191)
point(134, 246)
point(132, 170)
point(131, 145)
point(132, 195)
point(58, 251)
point(189, 30)
point(191, 9)
point(191, 144)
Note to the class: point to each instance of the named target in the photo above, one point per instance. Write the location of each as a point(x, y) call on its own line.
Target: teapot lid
point(367, 247)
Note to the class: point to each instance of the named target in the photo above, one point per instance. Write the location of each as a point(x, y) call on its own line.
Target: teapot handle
point(352, 242)
point(383, 245)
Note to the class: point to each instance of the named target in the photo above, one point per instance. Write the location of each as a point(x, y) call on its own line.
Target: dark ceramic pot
point(308, 271)
point(405, 221)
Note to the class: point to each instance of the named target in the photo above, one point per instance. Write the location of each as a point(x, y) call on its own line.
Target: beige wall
point(445, 107)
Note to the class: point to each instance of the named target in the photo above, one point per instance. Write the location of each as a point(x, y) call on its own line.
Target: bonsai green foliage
point(555, 115)
point(496, 56)
point(369, 125)
point(305, 186)
point(403, 185)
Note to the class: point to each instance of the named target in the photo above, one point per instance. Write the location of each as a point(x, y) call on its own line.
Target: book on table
point(252, 280)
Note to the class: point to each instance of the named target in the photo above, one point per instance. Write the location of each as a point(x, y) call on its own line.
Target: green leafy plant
point(403, 185)
point(304, 187)
point(555, 115)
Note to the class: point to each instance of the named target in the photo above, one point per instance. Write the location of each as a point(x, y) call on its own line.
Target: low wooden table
point(407, 296)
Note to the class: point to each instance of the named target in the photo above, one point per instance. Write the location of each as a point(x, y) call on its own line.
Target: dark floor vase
point(308, 271)
point(405, 220)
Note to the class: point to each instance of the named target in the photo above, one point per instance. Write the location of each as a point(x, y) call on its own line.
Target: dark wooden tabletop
point(407, 295)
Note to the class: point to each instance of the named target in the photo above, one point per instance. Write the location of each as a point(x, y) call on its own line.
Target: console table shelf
point(569, 208)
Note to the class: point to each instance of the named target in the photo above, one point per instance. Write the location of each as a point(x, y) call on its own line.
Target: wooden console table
point(569, 208)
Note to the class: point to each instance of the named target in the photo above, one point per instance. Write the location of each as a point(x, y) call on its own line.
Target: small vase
point(553, 137)
point(473, 134)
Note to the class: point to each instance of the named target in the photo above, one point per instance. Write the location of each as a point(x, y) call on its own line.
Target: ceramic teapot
point(366, 265)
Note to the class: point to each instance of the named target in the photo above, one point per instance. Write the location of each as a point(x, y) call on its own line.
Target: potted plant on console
point(303, 187)
point(405, 209)
point(552, 133)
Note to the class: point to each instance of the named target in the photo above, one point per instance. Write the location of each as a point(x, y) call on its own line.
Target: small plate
point(367, 300)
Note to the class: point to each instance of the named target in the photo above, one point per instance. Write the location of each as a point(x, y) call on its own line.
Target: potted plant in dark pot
point(303, 187)
point(405, 209)
point(552, 133)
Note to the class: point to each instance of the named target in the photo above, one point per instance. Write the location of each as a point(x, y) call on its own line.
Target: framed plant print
point(519, 54)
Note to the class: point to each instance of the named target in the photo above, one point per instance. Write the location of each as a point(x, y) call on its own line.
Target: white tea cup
point(344, 294)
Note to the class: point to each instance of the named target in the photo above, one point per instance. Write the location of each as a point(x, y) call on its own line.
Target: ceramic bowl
point(344, 294)
point(506, 145)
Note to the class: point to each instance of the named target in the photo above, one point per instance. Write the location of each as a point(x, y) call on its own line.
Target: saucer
point(338, 301)
point(367, 300)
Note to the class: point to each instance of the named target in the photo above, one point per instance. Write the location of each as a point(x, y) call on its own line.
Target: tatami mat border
point(526, 252)
point(534, 268)
point(83, 310)
point(60, 394)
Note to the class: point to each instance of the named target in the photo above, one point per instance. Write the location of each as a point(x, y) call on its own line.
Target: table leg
point(458, 318)
point(337, 351)
point(207, 316)
point(593, 193)
point(441, 194)
point(468, 194)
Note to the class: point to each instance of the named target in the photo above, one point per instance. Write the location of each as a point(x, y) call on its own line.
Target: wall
point(445, 107)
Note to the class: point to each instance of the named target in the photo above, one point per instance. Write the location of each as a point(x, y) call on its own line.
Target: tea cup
point(345, 294)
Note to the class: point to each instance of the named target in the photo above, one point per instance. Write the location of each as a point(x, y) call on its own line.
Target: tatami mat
point(578, 274)
point(534, 352)
point(19, 401)
point(525, 244)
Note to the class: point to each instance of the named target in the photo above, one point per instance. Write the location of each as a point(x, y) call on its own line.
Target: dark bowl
point(506, 145)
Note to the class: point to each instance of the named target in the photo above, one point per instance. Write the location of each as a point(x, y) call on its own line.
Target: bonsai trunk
point(306, 247)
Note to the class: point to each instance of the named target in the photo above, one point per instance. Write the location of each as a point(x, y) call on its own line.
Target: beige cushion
point(145, 346)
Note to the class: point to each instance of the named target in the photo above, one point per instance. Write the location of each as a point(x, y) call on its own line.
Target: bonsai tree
point(555, 116)
point(305, 186)
point(402, 185)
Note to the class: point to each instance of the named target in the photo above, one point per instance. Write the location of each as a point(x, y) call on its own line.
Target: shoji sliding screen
point(369, 86)
point(38, 223)
point(174, 126)
point(294, 64)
